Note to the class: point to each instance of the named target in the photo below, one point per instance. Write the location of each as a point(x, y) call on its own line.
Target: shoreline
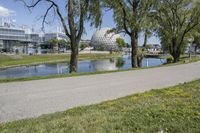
point(90, 57)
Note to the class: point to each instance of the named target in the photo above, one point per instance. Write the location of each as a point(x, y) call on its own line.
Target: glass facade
point(59, 36)
point(13, 38)
point(12, 34)
point(33, 38)
point(1, 44)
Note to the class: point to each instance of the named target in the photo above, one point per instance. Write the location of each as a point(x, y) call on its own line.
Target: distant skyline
point(22, 16)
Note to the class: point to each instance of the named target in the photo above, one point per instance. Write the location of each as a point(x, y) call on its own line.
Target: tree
point(52, 44)
point(17, 46)
point(141, 54)
point(62, 44)
point(68, 46)
point(196, 43)
point(196, 36)
point(120, 42)
point(147, 34)
point(149, 26)
point(130, 16)
point(77, 12)
point(101, 47)
point(120, 63)
point(83, 46)
point(176, 19)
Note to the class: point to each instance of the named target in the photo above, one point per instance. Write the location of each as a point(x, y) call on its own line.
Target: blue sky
point(24, 17)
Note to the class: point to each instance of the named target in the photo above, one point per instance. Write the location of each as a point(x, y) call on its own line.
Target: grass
point(7, 80)
point(183, 60)
point(175, 109)
point(11, 61)
point(59, 58)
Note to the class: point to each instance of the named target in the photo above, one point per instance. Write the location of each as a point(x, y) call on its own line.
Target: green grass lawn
point(175, 109)
point(10, 61)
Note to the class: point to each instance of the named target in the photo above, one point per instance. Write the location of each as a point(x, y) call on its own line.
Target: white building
point(56, 35)
point(101, 39)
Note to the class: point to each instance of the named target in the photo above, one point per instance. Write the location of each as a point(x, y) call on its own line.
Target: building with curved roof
point(102, 40)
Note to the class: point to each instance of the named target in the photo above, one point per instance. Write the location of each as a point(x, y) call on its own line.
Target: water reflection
point(103, 65)
point(62, 68)
point(121, 63)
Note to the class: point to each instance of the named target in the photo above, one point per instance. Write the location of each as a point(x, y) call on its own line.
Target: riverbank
point(7, 61)
point(174, 109)
point(183, 60)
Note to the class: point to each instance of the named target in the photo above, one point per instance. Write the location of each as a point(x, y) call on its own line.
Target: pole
point(190, 52)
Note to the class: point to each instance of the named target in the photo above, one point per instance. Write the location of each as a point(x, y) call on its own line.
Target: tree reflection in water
point(120, 63)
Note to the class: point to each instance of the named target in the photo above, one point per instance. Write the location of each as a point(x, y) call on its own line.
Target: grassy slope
point(175, 109)
point(7, 80)
point(6, 61)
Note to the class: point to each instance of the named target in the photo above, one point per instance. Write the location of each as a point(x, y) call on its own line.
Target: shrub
point(170, 59)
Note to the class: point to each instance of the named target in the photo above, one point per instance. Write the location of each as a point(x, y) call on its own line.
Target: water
point(121, 63)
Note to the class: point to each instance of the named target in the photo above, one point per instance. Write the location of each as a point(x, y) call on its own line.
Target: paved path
point(34, 98)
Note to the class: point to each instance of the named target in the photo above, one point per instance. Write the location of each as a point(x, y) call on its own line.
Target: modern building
point(85, 41)
point(17, 39)
point(155, 47)
point(57, 35)
point(33, 38)
point(46, 48)
point(11, 37)
point(102, 40)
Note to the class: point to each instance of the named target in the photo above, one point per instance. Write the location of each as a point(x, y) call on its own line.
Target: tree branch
point(124, 20)
point(61, 17)
point(44, 17)
point(53, 4)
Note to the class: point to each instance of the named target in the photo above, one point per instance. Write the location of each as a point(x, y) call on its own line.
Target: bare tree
point(77, 12)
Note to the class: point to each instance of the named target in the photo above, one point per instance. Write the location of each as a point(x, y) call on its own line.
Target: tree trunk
point(176, 52)
point(74, 58)
point(145, 39)
point(57, 45)
point(195, 50)
point(140, 61)
point(176, 56)
point(134, 53)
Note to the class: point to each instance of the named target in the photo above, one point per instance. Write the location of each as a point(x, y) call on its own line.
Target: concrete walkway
point(34, 98)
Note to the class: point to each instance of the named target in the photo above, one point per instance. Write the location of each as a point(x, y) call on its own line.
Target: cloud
point(4, 12)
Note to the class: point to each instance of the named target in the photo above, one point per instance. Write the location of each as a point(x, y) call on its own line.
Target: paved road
point(34, 98)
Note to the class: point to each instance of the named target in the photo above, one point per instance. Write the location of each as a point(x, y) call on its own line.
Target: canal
point(121, 63)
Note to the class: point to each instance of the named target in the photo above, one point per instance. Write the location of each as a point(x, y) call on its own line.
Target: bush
point(170, 59)
point(101, 47)
point(16, 51)
point(83, 46)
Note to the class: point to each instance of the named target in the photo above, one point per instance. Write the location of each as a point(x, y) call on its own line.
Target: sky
point(22, 16)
